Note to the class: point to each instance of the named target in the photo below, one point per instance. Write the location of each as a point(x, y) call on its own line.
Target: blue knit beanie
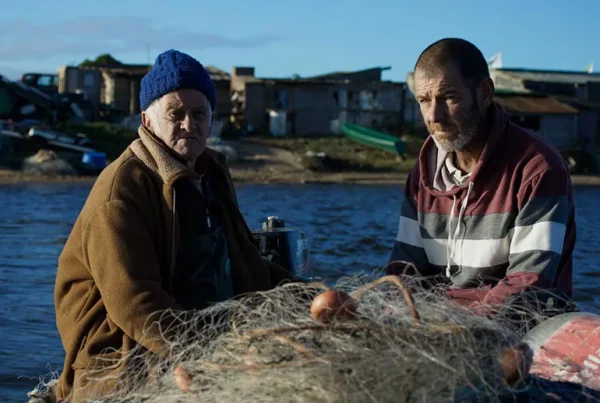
point(174, 70)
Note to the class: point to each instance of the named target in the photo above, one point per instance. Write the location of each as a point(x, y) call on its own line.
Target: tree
point(104, 59)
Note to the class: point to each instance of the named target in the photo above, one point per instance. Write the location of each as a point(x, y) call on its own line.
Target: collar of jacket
point(162, 161)
point(500, 122)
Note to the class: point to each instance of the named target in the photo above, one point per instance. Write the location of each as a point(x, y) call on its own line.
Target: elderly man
point(488, 207)
point(161, 231)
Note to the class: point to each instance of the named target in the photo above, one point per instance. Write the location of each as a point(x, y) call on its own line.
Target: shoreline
point(258, 163)
point(254, 176)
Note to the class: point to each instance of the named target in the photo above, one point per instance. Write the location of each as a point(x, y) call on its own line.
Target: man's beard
point(462, 132)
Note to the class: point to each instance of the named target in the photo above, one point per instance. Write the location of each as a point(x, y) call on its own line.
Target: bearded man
point(488, 208)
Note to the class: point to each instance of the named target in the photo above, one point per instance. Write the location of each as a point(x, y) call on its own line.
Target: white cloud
point(22, 40)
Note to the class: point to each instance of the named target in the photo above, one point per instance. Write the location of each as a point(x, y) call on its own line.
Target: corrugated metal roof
point(301, 81)
point(320, 82)
point(578, 103)
point(553, 76)
point(536, 105)
point(287, 81)
point(131, 70)
point(141, 69)
point(324, 79)
point(342, 75)
point(217, 74)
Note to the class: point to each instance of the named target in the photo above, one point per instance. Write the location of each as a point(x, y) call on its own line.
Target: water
point(350, 227)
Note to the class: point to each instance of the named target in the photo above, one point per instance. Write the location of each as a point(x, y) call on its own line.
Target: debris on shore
point(46, 162)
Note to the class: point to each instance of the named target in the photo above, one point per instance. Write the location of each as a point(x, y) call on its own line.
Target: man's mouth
point(442, 132)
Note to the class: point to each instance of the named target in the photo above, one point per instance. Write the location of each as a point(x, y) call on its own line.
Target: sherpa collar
point(156, 157)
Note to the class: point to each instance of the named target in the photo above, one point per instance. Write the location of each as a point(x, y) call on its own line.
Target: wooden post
point(134, 93)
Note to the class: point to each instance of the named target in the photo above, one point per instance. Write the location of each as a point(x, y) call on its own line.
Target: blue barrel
point(94, 159)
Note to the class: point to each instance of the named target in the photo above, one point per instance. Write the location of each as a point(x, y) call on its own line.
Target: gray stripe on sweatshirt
point(496, 225)
point(542, 262)
point(491, 226)
point(551, 208)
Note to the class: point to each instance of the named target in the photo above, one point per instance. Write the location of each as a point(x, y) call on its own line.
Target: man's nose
point(437, 112)
point(188, 123)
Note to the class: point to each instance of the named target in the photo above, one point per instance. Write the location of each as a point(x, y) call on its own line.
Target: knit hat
point(174, 70)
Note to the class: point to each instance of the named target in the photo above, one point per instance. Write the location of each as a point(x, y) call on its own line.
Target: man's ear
point(146, 120)
point(486, 89)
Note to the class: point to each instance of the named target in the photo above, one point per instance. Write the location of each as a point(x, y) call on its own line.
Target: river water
point(350, 228)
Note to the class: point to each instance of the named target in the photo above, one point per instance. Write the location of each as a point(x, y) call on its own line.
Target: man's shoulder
point(217, 156)
point(126, 179)
point(533, 153)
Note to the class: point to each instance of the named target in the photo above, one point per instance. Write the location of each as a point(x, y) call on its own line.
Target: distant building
point(543, 114)
point(112, 89)
point(576, 84)
point(72, 79)
point(579, 89)
point(315, 105)
point(115, 89)
point(222, 81)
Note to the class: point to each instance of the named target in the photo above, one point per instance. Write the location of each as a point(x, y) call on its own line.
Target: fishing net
point(397, 346)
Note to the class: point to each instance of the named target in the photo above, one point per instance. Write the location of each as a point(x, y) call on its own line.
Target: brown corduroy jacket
point(116, 270)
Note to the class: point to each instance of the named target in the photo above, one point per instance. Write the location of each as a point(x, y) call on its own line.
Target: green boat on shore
point(373, 138)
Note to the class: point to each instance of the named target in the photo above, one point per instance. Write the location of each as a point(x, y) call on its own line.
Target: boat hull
point(567, 349)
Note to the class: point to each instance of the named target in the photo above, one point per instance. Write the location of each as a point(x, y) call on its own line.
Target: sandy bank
point(259, 163)
point(266, 176)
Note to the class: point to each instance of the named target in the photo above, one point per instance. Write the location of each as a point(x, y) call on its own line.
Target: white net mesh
point(398, 347)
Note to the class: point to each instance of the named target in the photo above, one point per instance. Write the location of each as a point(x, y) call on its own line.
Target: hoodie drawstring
point(448, 245)
point(174, 219)
point(453, 237)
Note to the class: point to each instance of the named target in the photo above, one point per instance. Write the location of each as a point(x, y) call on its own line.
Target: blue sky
point(282, 38)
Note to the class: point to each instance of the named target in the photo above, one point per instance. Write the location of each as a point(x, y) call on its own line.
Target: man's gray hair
point(153, 112)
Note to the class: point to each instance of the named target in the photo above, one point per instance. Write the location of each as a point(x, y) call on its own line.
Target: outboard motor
point(286, 247)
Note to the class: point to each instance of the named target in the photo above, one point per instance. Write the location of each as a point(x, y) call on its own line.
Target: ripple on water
point(351, 229)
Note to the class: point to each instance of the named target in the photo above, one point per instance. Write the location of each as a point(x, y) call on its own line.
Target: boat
point(566, 348)
point(373, 138)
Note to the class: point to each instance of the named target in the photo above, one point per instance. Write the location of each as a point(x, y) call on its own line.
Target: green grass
point(107, 138)
point(346, 154)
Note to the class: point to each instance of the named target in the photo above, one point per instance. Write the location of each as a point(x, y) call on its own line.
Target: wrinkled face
point(182, 120)
point(451, 110)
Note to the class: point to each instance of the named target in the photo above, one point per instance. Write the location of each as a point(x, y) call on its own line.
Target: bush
point(108, 138)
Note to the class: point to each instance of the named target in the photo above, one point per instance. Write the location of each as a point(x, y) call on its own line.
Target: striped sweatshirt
point(509, 227)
